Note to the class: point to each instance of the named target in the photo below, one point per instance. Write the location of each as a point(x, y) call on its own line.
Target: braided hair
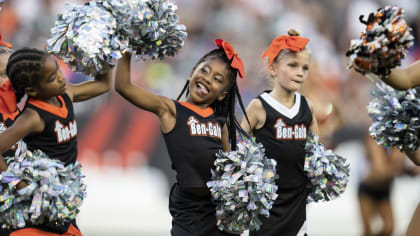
point(226, 107)
point(24, 69)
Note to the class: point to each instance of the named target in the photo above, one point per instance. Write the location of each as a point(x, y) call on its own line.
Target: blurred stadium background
point(125, 160)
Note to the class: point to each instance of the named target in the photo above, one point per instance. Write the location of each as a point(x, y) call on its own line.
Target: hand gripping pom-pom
point(54, 194)
point(86, 38)
point(328, 173)
point(151, 26)
point(396, 117)
point(243, 185)
point(383, 44)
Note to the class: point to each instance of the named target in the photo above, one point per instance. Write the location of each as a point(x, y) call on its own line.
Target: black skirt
point(192, 215)
point(288, 215)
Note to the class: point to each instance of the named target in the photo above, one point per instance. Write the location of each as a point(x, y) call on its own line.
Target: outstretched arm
point(162, 106)
point(87, 90)
point(404, 78)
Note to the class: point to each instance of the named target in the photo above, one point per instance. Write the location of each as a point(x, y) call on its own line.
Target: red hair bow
point(5, 44)
point(230, 53)
point(294, 43)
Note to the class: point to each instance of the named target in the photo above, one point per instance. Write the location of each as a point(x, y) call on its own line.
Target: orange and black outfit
point(59, 141)
point(8, 111)
point(283, 136)
point(8, 114)
point(192, 145)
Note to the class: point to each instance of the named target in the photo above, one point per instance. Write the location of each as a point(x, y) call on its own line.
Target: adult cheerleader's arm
point(414, 156)
point(404, 78)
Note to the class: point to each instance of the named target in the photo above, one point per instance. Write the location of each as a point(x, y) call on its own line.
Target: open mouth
point(202, 89)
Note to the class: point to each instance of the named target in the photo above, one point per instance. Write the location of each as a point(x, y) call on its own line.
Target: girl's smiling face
point(209, 82)
point(290, 71)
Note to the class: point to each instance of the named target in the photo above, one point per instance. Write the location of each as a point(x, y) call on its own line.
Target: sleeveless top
point(192, 144)
point(59, 137)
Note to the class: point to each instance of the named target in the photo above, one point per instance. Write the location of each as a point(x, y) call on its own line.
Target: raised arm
point(404, 78)
point(87, 90)
point(162, 106)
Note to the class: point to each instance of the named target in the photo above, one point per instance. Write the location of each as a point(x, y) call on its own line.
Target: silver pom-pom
point(86, 38)
point(243, 185)
point(383, 44)
point(54, 194)
point(152, 26)
point(328, 173)
point(396, 117)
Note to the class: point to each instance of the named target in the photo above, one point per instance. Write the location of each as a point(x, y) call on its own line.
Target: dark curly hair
point(226, 107)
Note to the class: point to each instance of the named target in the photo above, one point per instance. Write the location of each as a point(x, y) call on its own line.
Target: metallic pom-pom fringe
point(396, 117)
point(383, 44)
point(85, 37)
point(90, 37)
point(243, 186)
point(328, 173)
point(54, 194)
point(151, 26)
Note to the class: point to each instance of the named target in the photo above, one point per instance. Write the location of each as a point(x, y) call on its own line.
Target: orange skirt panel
point(72, 231)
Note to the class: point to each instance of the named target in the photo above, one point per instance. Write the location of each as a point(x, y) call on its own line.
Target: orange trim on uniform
point(72, 231)
point(206, 112)
point(8, 106)
point(58, 111)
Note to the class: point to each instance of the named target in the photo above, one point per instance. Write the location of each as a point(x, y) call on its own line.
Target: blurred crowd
point(340, 95)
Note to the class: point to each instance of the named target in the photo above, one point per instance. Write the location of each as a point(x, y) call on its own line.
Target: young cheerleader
point(47, 121)
point(194, 131)
point(280, 119)
point(8, 108)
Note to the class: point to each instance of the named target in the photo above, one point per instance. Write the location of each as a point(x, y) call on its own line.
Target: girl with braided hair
point(194, 130)
point(47, 121)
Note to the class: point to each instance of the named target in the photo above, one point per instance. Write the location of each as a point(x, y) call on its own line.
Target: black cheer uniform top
point(283, 137)
point(192, 144)
point(59, 138)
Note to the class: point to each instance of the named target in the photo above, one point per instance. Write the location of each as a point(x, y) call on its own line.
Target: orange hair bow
point(4, 43)
point(294, 43)
point(8, 106)
point(231, 55)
